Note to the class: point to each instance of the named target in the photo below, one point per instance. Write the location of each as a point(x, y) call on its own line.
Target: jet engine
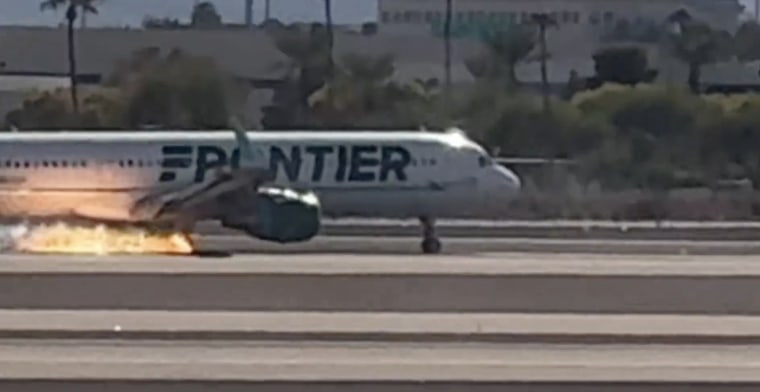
point(280, 215)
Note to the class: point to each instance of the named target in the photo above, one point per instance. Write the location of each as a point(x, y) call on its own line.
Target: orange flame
point(101, 240)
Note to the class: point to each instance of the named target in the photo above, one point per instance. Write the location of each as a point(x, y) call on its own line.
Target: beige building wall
point(571, 14)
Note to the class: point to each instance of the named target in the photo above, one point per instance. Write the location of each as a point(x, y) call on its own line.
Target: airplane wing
point(204, 200)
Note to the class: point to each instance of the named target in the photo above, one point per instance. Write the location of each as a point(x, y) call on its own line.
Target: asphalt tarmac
point(379, 362)
point(488, 282)
point(480, 320)
point(222, 244)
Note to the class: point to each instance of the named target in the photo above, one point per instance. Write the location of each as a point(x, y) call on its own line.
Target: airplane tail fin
point(244, 144)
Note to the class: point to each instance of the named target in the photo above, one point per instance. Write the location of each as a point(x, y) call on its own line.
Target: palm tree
point(330, 44)
point(696, 44)
point(447, 43)
point(504, 49)
point(330, 38)
point(306, 68)
point(543, 21)
point(87, 6)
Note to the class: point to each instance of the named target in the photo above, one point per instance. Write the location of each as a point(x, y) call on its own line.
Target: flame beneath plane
point(99, 240)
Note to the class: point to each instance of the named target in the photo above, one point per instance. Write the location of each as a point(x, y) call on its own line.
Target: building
point(587, 18)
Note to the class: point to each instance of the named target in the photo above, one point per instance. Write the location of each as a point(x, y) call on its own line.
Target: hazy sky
point(131, 12)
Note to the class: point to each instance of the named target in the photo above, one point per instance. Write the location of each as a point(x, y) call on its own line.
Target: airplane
point(274, 186)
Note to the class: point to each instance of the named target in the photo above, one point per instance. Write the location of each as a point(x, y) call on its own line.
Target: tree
point(369, 28)
point(154, 23)
point(177, 91)
point(330, 43)
point(505, 48)
point(306, 72)
point(363, 94)
point(86, 6)
point(622, 65)
point(696, 44)
point(747, 41)
point(356, 88)
point(205, 16)
point(447, 43)
point(330, 36)
point(544, 21)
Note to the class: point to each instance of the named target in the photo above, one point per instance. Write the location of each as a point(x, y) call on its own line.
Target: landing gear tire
point(431, 246)
point(430, 242)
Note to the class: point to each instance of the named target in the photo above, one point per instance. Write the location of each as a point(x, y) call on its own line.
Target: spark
point(99, 240)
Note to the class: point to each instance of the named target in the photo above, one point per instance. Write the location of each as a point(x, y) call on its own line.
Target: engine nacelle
point(280, 215)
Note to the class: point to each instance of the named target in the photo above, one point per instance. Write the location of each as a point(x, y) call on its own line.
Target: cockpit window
point(484, 161)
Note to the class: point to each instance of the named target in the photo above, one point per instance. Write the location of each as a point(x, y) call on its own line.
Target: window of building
point(472, 16)
point(609, 17)
point(398, 17)
point(576, 17)
point(386, 16)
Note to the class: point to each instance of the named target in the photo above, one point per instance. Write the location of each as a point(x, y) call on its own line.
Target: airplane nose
point(508, 179)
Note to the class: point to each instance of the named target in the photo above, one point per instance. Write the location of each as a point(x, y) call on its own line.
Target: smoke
point(10, 235)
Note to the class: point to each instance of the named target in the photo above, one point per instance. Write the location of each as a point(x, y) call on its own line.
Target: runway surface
point(533, 283)
point(549, 229)
point(363, 245)
point(380, 327)
point(363, 361)
point(337, 321)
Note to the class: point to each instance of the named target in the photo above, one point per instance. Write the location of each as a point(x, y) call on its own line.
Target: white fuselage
point(99, 175)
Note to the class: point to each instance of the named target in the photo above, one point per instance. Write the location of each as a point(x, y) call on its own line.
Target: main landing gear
point(430, 242)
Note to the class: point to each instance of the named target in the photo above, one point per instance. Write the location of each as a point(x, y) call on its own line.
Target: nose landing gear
point(431, 244)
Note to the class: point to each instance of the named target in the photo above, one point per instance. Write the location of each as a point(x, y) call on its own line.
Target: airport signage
point(338, 163)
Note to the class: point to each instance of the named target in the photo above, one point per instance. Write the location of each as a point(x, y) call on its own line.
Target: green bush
point(662, 135)
point(176, 91)
point(518, 125)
